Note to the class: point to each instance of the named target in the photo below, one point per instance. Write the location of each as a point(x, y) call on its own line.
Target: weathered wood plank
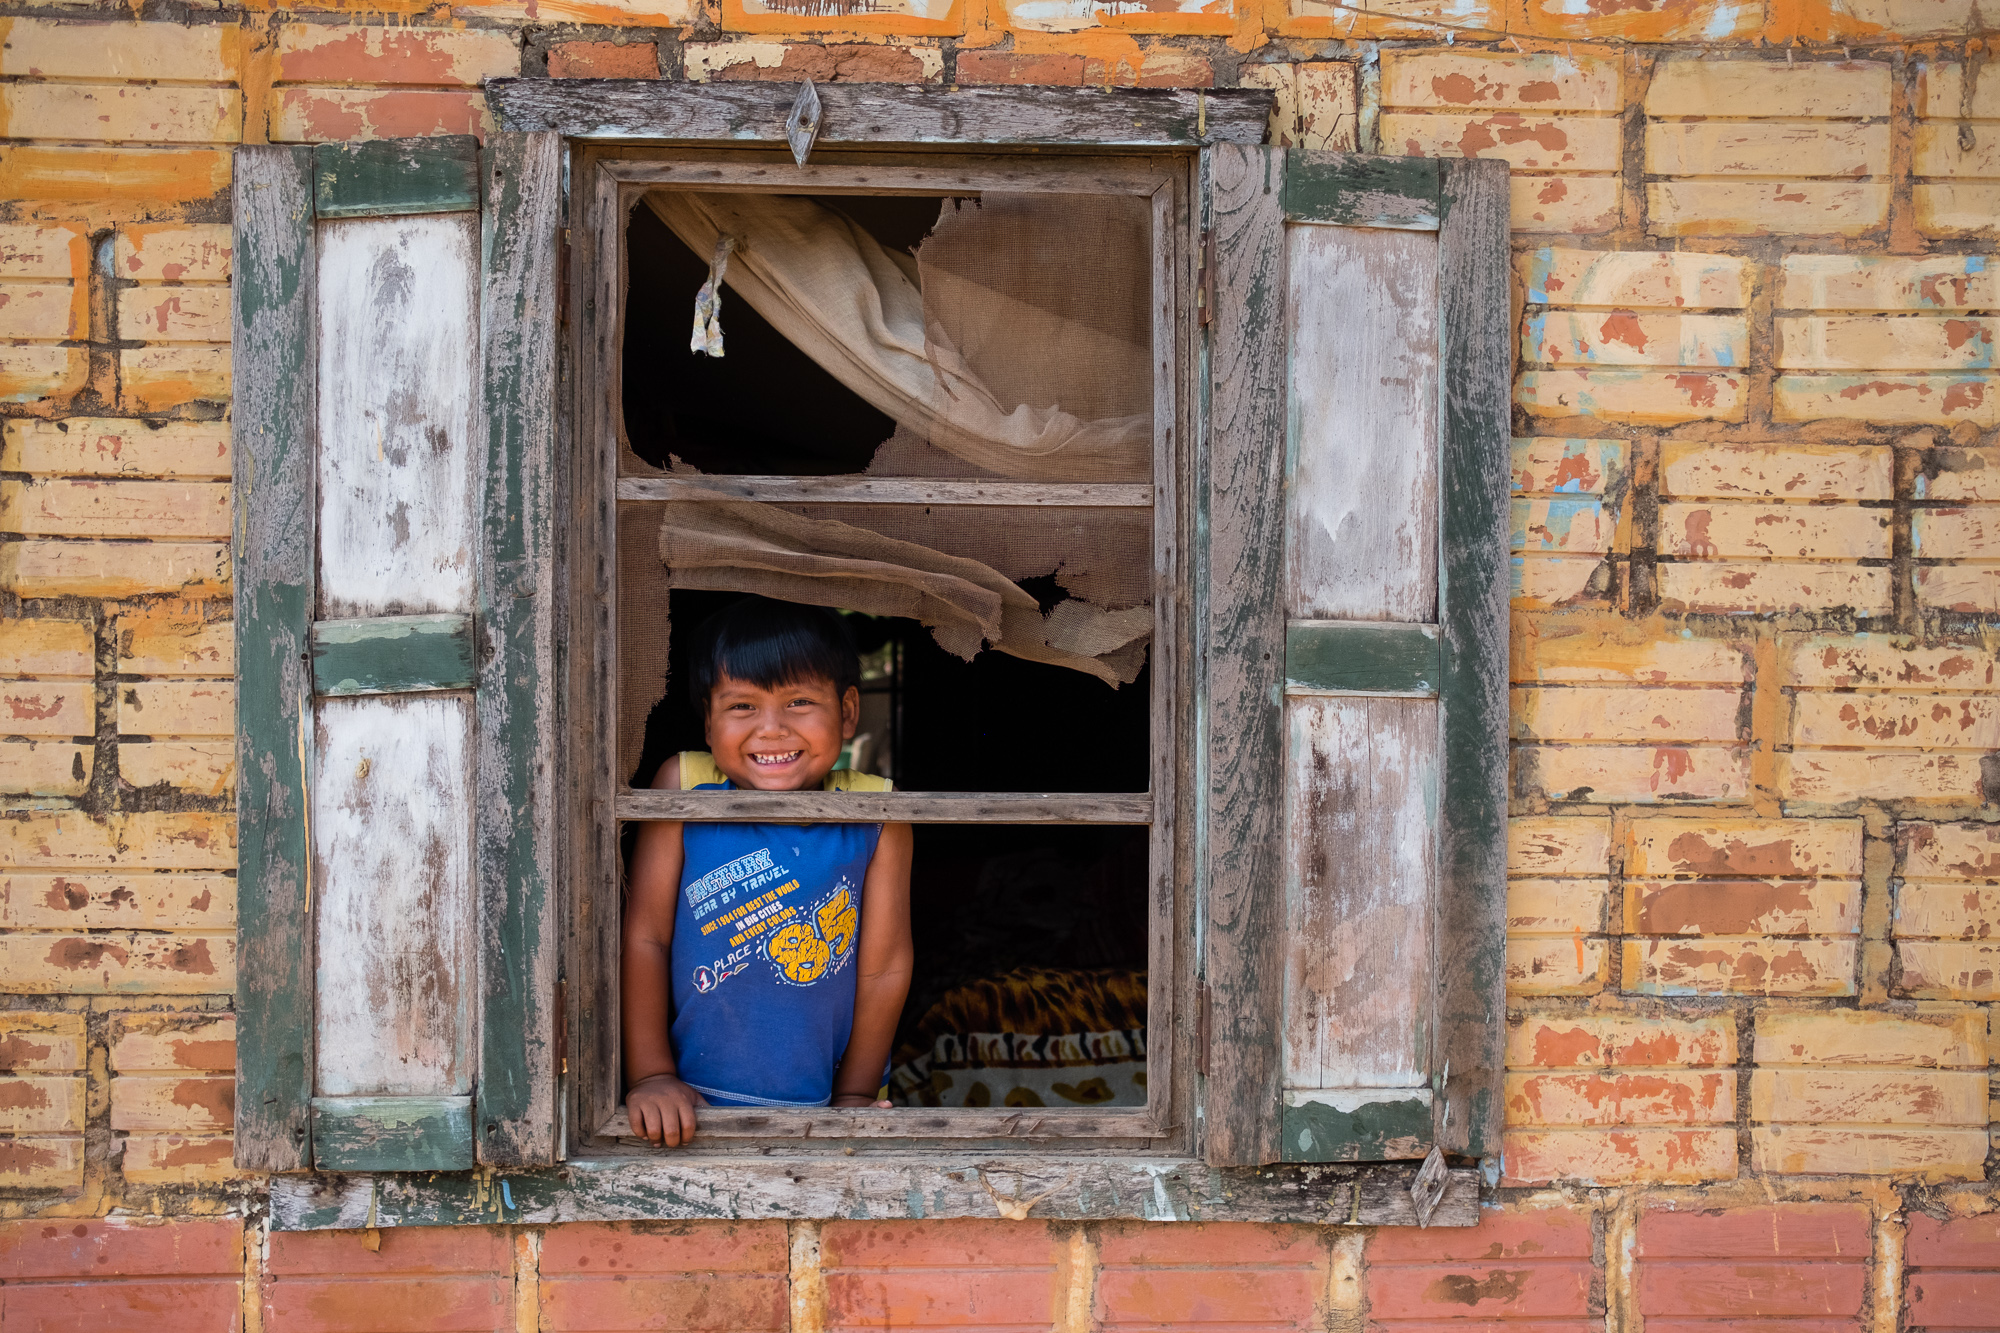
point(872, 115)
point(398, 349)
point(1361, 779)
point(392, 1133)
point(1472, 268)
point(1361, 190)
point(886, 490)
point(518, 808)
point(1357, 1125)
point(1362, 507)
point(812, 807)
point(1242, 639)
point(392, 823)
point(1038, 1123)
point(688, 1187)
point(387, 177)
point(272, 441)
point(1371, 657)
point(392, 654)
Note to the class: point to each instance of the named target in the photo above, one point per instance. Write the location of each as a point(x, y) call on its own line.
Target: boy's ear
point(850, 712)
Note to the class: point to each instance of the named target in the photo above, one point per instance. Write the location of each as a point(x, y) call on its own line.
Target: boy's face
point(783, 739)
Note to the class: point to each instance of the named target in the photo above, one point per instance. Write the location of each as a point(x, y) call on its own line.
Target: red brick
point(158, 1307)
point(1149, 1297)
point(1791, 1231)
point(1737, 1289)
point(1954, 1300)
point(590, 1248)
point(1530, 1234)
point(1963, 1242)
point(692, 1302)
point(1207, 1244)
point(1007, 67)
point(407, 1305)
point(315, 53)
point(1519, 1290)
point(68, 1249)
point(405, 1250)
point(895, 1245)
point(939, 1298)
point(605, 60)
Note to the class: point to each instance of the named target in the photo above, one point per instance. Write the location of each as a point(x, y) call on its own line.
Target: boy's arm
point(659, 1105)
point(884, 962)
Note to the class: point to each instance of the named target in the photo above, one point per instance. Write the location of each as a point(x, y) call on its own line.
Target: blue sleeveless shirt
point(763, 957)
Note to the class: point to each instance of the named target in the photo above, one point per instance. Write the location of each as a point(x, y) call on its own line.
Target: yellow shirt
point(698, 769)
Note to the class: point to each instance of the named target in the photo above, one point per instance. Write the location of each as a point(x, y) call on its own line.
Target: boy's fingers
point(687, 1123)
point(885, 1104)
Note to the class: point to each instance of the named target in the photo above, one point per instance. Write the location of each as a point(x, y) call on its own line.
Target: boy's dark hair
point(770, 643)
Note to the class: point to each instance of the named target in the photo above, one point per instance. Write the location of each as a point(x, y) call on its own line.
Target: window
point(439, 727)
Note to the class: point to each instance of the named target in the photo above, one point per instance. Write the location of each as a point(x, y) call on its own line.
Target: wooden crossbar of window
point(902, 807)
point(891, 490)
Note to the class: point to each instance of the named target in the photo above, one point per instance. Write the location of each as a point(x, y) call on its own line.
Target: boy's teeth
point(785, 758)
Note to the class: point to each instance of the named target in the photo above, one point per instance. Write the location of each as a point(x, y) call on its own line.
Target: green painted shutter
point(1354, 694)
point(394, 366)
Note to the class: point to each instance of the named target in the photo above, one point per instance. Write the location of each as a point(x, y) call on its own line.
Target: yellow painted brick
point(170, 313)
point(1835, 777)
point(1619, 1156)
point(1765, 208)
point(1575, 526)
point(1588, 712)
point(1714, 966)
point(41, 1105)
point(1941, 93)
point(51, 311)
point(1649, 1097)
point(1914, 18)
point(44, 768)
point(1884, 282)
point(32, 1043)
point(1704, 86)
point(1880, 660)
point(1742, 907)
point(1567, 466)
point(1633, 278)
point(1709, 530)
point(1720, 586)
point(153, 379)
point(1541, 582)
point(1575, 205)
point(1886, 342)
point(1557, 845)
point(1622, 338)
point(1617, 773)
point(1959, 474)
point(180, 1159)
point(114, 569)
point(93, 508)
point(206, 767)
point(1744, 848)
point(1956, 534)
point(122, 184)
point(1556, 906)
point(115, 447)
point(1543, 966)
point(1955, 1040)
point(1553, 654)
point(173, 1102)
point(47, 708)
point(1527, 142)
point(330, 53)
point(69, 840)
point(173, 252)
point(177, 708)
point(36, 371)
point(1766, 148)
point(46, 649)
point(44, 250)
point(169, 645)
point(173, 1043)
point(642, 13)
point(1695, 469)
point(1963, 208)
point(334, 114)
point(1920, 1154)
point(67, 900)
point(1901, 721)
point(1868, 1096)
point(1314, 103)
point(42, 1164)
point(1950, 970)
point(1637, 396)
point(1974, 588)
point(181, 52)
point(124, 964)
point(122, 113)
point(1950, 851)
point(1574, 1041)
point(1938, 153)
point(1479, 81)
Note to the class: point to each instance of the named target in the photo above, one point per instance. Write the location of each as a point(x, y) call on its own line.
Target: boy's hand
point(661, 1109)
point(860, 1099)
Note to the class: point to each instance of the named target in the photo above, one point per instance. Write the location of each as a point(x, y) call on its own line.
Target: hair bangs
point(769, 644)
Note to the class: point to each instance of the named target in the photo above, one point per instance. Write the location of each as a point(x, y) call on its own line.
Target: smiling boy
point(785, 948)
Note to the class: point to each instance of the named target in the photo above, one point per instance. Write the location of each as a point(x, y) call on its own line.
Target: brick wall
point(1755, 878)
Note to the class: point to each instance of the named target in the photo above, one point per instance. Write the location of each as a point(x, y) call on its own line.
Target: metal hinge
point(1201, 1029)
point(562, 278)
point(1204, 283)
point(562, 1027)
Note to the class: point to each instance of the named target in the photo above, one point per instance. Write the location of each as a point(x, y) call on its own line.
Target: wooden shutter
point(1354, 737)
point(394, 454)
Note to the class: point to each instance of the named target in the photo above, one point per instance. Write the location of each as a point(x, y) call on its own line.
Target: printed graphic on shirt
point(743, 916)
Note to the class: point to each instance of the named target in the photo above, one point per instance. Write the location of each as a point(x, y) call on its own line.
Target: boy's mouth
point(774, 760)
